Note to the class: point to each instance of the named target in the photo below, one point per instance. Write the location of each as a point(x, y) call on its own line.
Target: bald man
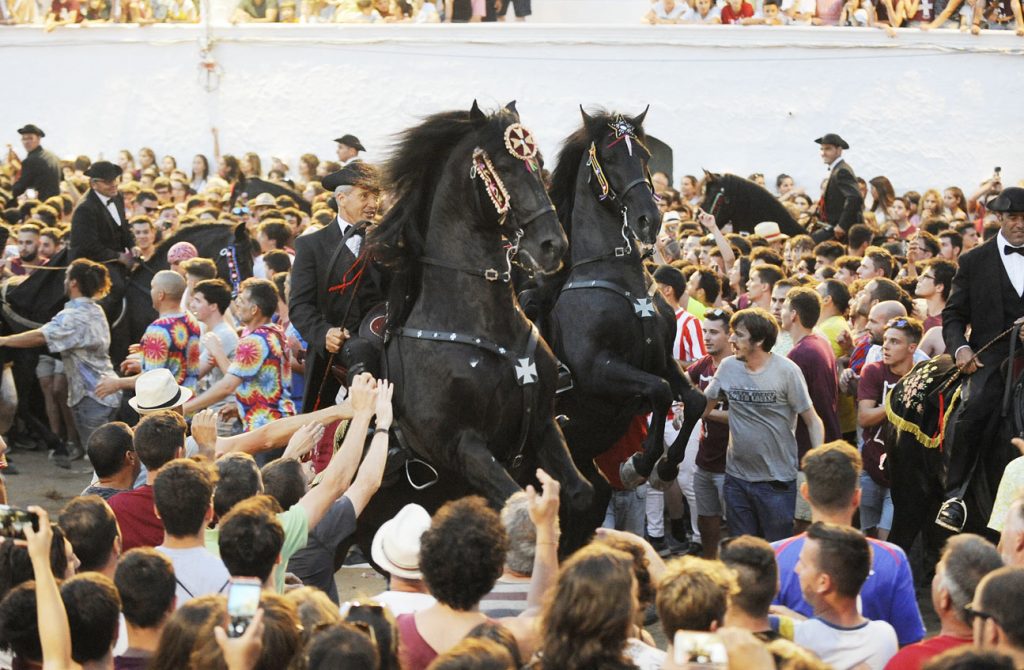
point(171, 342)
point(1011, 540)
point(879, 315)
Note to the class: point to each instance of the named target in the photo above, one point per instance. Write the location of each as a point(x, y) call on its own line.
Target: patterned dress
point(172, 342)
point(261, 362)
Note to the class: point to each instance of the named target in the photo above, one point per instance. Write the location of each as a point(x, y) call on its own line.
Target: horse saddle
point(371, 329)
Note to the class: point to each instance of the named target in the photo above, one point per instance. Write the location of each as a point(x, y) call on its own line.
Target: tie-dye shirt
point(261, 362)
point(172, 342)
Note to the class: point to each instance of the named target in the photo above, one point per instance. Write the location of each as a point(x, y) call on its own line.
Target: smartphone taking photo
point(243, 601)
point(14, 520)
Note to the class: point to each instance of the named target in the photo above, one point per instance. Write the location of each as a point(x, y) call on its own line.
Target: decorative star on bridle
point(520, 143)
point(623, 130)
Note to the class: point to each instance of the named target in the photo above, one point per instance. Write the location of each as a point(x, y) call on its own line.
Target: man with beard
point(334, 284)
point(28, 252)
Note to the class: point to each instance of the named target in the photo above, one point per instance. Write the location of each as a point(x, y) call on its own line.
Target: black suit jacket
point(94, 232)
point(314, 309)
point(40, 170)
point(844, 205)
point(978, 299)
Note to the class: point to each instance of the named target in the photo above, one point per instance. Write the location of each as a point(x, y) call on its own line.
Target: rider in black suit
point(41, 168)
point(334, 286)
point(841, 204)
point(100, 230)
point(988, 296)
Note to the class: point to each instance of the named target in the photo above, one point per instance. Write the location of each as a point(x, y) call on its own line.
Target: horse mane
point(411, 175)
point(570, 157)
point(762, 205)
point(187, 234)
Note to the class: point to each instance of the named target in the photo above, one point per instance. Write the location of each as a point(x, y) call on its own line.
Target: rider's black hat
point(834, 140)
point(1010, 200)
point(31, 129)
point(104, 170)
point(355, 173)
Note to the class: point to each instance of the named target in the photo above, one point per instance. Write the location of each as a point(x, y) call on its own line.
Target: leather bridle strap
point(490, 274)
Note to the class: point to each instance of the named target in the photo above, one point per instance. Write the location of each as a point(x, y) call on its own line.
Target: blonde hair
point(694, 594)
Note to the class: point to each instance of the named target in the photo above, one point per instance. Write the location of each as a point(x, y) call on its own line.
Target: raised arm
point(54, 630)
point(277, 433)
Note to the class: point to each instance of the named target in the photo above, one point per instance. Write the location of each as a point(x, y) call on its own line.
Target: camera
point(13, 522)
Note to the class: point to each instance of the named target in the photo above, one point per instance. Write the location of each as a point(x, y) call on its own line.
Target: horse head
point(743, 204)
point(227, 245)
point(716, 198)
point(617, 161)
point(506, 172)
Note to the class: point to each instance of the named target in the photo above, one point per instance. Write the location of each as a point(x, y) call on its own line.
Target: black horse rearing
point(474, 383)
point(613, 331)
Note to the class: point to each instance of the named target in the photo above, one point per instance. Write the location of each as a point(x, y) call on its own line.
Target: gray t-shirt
point(763, 407)
point(197, 571)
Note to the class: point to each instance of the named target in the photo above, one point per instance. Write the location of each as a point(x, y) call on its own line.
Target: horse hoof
point(663, 476)
point(667, 471)
point(629, 475)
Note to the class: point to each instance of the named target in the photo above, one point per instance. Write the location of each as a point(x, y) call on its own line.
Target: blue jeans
point(875, 504)
point(89, 415)
point(627, 510)
point(764, 509)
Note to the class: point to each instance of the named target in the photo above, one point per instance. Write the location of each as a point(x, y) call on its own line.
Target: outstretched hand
point(363, 393)
point(39, 541)
point(242, 653)
point(385, 411)
point(543, 508)
point(303, 440)
point(204, 429)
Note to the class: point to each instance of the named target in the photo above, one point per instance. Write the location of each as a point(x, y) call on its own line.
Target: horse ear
point(512, 107)
point(638, 121)
point(588, 120)
point(709, 177)
point(476, 115)
point(240, 232)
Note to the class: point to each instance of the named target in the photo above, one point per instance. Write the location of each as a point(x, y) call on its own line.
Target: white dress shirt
point(1012, 263)
point(111, 207)
point(353, 243)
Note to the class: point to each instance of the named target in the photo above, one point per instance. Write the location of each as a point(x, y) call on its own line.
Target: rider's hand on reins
point(966, 361)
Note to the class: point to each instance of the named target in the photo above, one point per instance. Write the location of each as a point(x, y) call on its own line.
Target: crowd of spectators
point(59, 13)
point(963, 15)
point(772, 539)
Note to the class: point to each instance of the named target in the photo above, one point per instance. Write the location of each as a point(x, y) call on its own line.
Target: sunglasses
point(973, 614)
point(897, 323)
point(717, 314)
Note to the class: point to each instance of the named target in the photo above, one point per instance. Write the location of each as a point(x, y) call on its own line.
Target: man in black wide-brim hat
point(841, 203)
point(40, 171)
point(988, 297)
point(334, 285)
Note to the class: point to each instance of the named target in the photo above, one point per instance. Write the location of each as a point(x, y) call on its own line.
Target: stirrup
point(952, 515)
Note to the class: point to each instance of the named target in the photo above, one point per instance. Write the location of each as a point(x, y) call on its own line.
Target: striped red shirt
point(689, 342)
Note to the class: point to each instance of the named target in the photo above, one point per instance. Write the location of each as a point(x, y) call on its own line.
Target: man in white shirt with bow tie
point(988, 297)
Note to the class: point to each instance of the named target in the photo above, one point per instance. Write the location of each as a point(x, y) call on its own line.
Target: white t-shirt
point(427, 13)
point(679, 12)
point(872, 643)
point(197, 571)
point(802, 6)
point(714, 16)
point(643, 655)
point(401, 602)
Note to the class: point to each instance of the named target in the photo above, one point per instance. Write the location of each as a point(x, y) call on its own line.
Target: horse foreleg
point(578, 526)
point(618, 377)
point(553, 457)
point(694, 403)
point(473, 459)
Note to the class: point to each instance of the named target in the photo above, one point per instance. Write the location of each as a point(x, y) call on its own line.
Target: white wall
point(924, 108)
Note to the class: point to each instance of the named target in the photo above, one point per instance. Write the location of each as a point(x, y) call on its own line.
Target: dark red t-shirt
point(813, 355)
point(139, 524)
point(714, 438)
point(914, 656)
point(627, 445)
point(876, 379)
point(729, 16)
point(932, 321)
point(63, 9)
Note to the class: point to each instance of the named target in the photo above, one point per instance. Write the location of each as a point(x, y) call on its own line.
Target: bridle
point(519, 142)
point(624, 132)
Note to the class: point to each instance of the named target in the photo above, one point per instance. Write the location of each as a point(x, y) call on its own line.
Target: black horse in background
point(474, 382)
point(743, 204)
point(37, 299)
point(608, 324)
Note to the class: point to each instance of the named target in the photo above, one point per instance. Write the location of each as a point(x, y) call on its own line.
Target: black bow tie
point(1007, 250)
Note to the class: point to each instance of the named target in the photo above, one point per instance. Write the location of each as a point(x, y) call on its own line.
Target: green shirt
point(257, 11)
point(296, 531)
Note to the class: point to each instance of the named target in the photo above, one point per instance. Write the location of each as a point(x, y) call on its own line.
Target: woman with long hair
point(307, 168)
point(188, 626)
point(589, 615)
point(126, 162)
point(200, 173)
point(229, 169)
point(882, 197)
point(931, 205)
point(250, 165)
point(955, 203)
point(147, 159)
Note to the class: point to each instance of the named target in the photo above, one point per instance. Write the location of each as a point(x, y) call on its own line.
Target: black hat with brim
point(31, 129)
point(350, 141)
point(355, 173)
point(1010, 200)
point(104, 170)
point(834, 140)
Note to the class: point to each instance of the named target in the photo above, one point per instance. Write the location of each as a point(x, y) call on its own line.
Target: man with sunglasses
point(996, 615)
